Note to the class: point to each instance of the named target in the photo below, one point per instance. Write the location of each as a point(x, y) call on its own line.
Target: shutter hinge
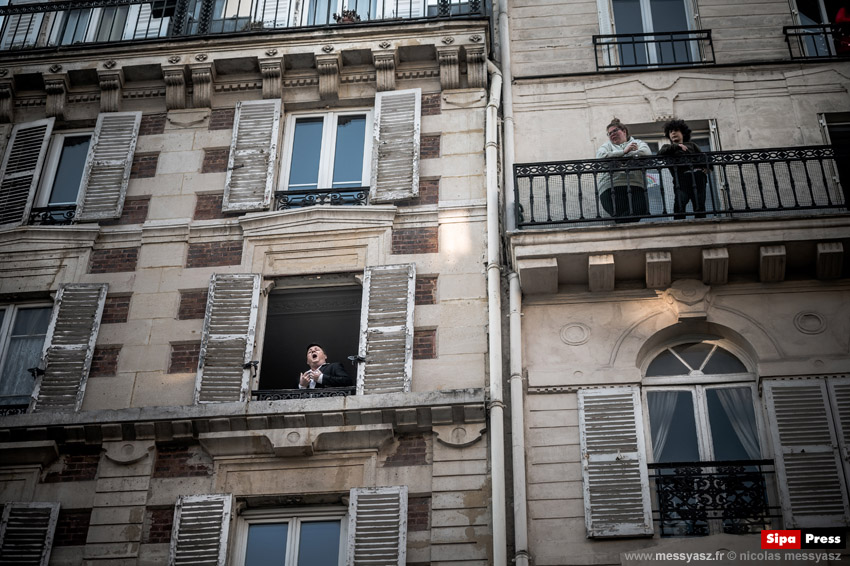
point(36, 372)
point(356, 359)
point(252, 365)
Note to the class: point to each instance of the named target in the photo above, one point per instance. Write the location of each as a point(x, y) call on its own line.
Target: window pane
point(666, 364)
point(627, 19)
point(348, 157)
point(69, 171)
point(733, 423)
point(306, 152)
point(674, 432)
point(25, 345)
point(266, 545)
point(693, 354)
point(722, 361)
point(319, 544)
point(669, 15)
point(319, 12)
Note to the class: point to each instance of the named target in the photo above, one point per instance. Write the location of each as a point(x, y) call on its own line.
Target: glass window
point(22, 333)
point(290, 537)
point(69, 169)
point(652, 16)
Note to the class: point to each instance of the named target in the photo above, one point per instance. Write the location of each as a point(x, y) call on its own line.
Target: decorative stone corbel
point(203, 75)
point(385, 65)
point(449, 67)
point(272, 71)
point(7, 100)
point(476, 66)
point(689, 298)
point(175, 86)
point(111, 82)
point(56, 87)
point(328, 66)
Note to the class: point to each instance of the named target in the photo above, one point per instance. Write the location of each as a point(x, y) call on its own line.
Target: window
point(23, 329)
point(62, 176)
point(302, 537)
point(819, 13)
point(647, 17)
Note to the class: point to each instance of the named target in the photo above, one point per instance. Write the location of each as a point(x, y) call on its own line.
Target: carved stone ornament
point(475, 38)
point(4, 72)
point(174, 59)
point(109, 64)
point(810, 322)
point(689, 298)
point(201, 57)
point(55, 68)
point(127, 453)
point(271, 52)
point(575, 333)
point(328, 48)
point(385, 44)
point(448, 40)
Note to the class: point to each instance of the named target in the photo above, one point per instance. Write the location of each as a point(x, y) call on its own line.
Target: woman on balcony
point(623, 189)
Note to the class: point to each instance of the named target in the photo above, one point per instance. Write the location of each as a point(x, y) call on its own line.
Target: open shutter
point(21, 169)
point(614, 473)
point(107, 170)
point(386, 329)
point(805, 447)
point(228, 340)
point(200, 531)
point(395, 148)
point(26, 533)
point(377, 526)
point(839, 394)
point(250, 166)
point(69, 346)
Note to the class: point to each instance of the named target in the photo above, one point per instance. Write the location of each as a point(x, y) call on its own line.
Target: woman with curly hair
point(688, 180)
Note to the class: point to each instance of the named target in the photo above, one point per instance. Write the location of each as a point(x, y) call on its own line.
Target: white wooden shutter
point(250, 167)
point(395, 147)
point(839, 395)
point(228, 340)
point(386, 329)
point(108, 163)
point(812, 489)
point(614, 473)
point(377, 526)
point(200, 532)
point(21, 170)
point(26, 533)
point(69, 346)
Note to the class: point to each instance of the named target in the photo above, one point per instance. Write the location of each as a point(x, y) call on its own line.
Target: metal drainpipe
point(507, 115)
point(521, 557)
point(494, 310)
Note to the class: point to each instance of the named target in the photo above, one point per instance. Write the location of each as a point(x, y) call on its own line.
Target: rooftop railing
point(690, 48)
point(755, 182)
point(31, 25)
point(822, 41)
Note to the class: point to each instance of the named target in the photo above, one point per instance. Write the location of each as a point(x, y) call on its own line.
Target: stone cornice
point(318, 219)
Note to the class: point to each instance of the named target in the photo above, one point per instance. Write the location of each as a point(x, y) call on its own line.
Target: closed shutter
point(200, 532)
point(805, 447)
point(107, 170)
point(614, 473)
point(26, 533)
point(386, 329)
point(253, 149)
point(69, 347)
point(228, 339)
point(21, 169)
point(839, 394)
point(377, 526)
point(395, 148)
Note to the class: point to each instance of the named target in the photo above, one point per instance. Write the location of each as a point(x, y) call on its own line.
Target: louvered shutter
point(69, 346)
point(377, 526)
point(108, 163)
point(275, 13)
point(614, 473)
point(201, 528)
point(21, 170)
point(403, 9)
point(812, 489)
point(839, 394)
point(228, 340)
point(386, 329)
point(250, 167)
point(395, 147)
point(26, 533)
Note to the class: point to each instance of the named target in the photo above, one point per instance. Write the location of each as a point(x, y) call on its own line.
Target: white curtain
point(662, 404)
point(24, 352)
point(737, 403)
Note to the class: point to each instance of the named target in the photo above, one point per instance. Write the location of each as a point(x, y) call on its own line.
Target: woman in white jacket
point(623, 191)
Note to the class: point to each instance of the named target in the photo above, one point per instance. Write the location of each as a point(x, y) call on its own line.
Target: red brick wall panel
point(181, 462)
point(135, 211)
point(72, 527)
point(114, 260)
point(105, 361)
point(152, 124)
point(426, 290)
point(429, 193)
point(157, 525)
point(73, 467)
point(424, 343)
point(418, 513)
point(411, 450)
point(212, 254)
point(429, 146)
point(215, 160)
point(208, 207)
point(115, 309)
point(144, 165)
point(222, 118)
point(431, 104)
point(193, 304)
point(422, 240)
point(184, 357)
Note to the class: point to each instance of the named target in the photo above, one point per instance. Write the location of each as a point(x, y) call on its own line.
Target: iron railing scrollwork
point(688, 48)
point(53, 215)
point(818, 41)
point(285, 200)
point(9, 410)
point(280, 394)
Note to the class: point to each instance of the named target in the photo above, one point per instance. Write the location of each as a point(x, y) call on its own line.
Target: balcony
point(285, 200)
point(279, 394)
point(702, 498)
point(739, 183)
point(691, 48)
point(54, 25)
point(52, 215)
point(825, 41)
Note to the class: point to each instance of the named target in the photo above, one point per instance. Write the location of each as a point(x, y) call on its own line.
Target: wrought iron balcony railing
point(763, 182)
point(689, 48)
point(284, 200)
point(702, 498)
point(822, 41)
point(30, 25)
point(279, 394)
point(53, 215)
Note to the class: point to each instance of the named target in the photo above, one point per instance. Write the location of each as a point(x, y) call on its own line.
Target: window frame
point(51, 164)
point(12, 309)
point(327, 147)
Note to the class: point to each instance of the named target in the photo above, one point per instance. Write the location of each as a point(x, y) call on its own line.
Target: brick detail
point(412, 450)
point(429, 146)
point(114, 260)
point(424, 343)
point(208, 207)
point(152, 124)
point(193, 304)
point(184, 357)
point(115, 309)
point(429, 193)
point(431, 104)
point(181, 462)
point(415, 240)
point(215, 160)
point(211, 254)
point(144, 165)
point(157, 526)
point(222, 118)
point(72, 527)
point(418, 513)
point(426, 290)
point(104, 361)
point(135, 211)
point(73, 467)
